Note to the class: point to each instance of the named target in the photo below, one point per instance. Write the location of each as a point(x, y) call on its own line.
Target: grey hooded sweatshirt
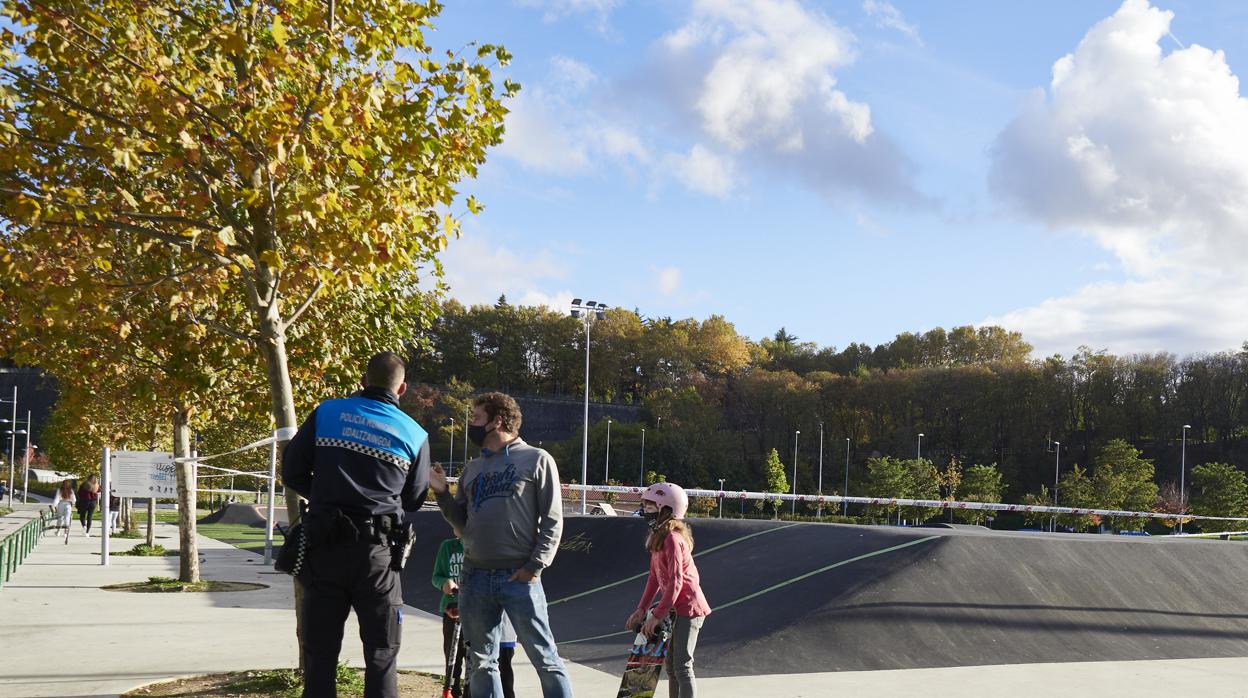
point(508, 507)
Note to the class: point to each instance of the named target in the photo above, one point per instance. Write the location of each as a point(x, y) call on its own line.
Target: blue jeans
point(483, 596)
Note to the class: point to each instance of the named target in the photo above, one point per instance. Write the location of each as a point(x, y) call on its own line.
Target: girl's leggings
point(681, 683)
point(84, 515)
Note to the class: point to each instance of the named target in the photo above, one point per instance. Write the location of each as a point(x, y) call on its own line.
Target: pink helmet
point(665, 494)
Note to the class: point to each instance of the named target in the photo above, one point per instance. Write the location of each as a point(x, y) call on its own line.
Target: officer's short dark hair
point(385, 370)
point(500, 405)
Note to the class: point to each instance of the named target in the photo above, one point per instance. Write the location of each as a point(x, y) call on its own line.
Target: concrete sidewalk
point(61, 635)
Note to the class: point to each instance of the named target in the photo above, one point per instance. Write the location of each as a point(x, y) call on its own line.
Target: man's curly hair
point(500, 405)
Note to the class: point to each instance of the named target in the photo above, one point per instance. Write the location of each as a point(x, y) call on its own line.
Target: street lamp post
point(450, 455)
point(819, 487)
point(721, 497)
point(918, 453)
point(793, 486)
point(1183, 476)
point(606, 468)
point(1057, 466)
point(846, 492)
point(641, 476)
point(587, 312)
point(26, 470)
point(12, 441)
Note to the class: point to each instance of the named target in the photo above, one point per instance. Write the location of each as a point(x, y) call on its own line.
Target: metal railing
point(17, 545)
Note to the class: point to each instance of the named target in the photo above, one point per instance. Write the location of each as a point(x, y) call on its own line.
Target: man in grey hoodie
point(508, 507)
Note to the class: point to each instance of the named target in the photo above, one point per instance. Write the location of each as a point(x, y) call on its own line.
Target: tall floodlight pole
point(918, 451)
point(793, 486)
point(587, 313)
point(819, 486)
point(721, 497)
point(1057, 467)
point(1183, 476)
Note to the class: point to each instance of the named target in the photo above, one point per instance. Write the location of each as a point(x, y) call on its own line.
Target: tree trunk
point(273, 347)
point(188, 569)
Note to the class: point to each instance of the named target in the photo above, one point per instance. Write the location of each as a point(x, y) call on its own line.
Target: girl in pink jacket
point(674, 578)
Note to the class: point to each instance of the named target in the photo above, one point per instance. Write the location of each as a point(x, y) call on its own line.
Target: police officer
point(361, 463)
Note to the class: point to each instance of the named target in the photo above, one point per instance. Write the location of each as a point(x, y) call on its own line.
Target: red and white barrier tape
point(888, 501)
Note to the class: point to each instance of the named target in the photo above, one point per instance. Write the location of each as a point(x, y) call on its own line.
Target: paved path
point(131, 639)
point(63, 636)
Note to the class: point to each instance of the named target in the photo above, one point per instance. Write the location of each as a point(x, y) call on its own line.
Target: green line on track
point(774, 587)
point(635, 577)
point(821, 570)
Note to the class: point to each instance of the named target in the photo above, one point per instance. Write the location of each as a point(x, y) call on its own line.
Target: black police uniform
point(362, 463)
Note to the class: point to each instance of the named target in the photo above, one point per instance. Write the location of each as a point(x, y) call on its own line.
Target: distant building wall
point(36, 391)
point(549, 418)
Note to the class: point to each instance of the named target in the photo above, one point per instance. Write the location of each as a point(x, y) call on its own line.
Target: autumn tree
point(272, 156)
point(777, 481)
point(980, 483)
point(1220, 489)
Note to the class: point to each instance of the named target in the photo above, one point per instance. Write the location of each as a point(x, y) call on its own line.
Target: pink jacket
point(675, 577)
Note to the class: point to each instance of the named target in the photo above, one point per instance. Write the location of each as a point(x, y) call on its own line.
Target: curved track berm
point(808, 597)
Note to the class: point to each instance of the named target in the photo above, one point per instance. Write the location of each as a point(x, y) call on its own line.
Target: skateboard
point(645, 662)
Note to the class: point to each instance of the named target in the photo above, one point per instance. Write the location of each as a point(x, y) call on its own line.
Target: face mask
point(477, 434)
point(650, 517)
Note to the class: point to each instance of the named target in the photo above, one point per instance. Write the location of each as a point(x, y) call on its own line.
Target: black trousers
point(85, 512)
point(341, 577)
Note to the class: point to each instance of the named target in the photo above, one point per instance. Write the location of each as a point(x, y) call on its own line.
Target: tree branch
point(225, 330)
point(76, 104)
point(307, 302)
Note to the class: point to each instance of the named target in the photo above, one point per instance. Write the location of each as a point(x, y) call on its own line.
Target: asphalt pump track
point(793, 598)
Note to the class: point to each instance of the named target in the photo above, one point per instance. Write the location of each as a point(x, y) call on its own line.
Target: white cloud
point(573, 73)
point(668, 280)
point(549, 129)
point(740, 86)
point(1148, 153)
point(889, 17)
point(774, 58)
point(759, 78)
point(703, 171)
point(539, 137)
point(1183, 314)
point(478, 271)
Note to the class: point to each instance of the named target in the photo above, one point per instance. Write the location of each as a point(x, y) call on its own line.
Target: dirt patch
point(158, 585)
point(280, 682)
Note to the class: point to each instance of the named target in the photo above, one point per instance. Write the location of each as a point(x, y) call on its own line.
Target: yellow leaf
point(226, 236)
point(279, 31)
point(235, 43)
point(271, 258)
point(134, 203)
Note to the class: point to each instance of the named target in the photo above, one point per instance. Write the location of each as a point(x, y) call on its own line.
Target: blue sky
point(1077, 171)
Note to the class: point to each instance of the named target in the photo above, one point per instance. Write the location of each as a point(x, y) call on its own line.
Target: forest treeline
point(714, 403)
